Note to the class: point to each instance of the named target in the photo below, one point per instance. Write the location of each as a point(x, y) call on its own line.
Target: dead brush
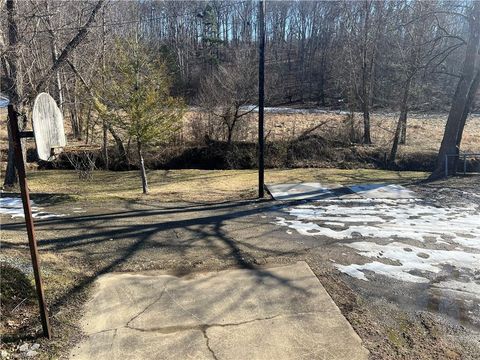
point(346, 132)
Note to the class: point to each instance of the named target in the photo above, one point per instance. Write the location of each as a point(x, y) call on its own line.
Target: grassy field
point(197, 185)
point(424, 131)
point(424, 134)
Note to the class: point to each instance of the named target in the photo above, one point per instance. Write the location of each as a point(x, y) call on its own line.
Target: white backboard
point(48, 127)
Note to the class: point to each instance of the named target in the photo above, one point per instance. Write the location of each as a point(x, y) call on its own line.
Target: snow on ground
point(387, 228)
point(407, 258)
point(386, 219)
point(14, 207)
point(287, 110)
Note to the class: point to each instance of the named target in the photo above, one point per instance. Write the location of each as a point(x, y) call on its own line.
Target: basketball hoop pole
point(22, 180)
point(261, 99)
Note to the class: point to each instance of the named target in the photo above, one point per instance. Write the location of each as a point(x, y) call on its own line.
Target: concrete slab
point(125, 343)
point(301, 191)
point(382, 191)
point(302, 336)
point(281, 312)
point(317, 191)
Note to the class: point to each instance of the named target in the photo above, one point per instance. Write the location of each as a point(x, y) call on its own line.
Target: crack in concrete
point(113, 339)
point(204, 327)
point(207, 342)
point(101, 331)
point(148, 306)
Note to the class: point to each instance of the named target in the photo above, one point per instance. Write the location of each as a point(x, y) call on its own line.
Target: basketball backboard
point(48, 127)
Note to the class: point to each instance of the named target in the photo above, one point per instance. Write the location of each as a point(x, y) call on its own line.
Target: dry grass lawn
point(197, 185)
point(424, 131)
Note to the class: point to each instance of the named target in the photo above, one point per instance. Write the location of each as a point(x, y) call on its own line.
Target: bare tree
point(13, 87)
point(13, 78)
point(420, 49)
point(358, 56)
point(466, 89)
point(229, 91)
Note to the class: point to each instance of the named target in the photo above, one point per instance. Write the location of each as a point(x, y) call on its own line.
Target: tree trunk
point(404, 112)
point(396, 138)
point(229, 135)
point(69, 48)
point(403, 132)
point(10, 173)
point(54, 51)
point(143, 173)
point(454, 127)
point(366, 124)
point(230, 121)
point(59, 90)
point(322, 80)
point(105, 145)
point(121, 149)
point(87, 124)
point(401, 124)
point(470, 100)
point(365, 92)
point(10, 66)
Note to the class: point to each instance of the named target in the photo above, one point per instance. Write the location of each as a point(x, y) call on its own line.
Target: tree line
point(354, 55)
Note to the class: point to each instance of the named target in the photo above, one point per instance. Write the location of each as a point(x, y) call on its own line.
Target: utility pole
point(261, 98)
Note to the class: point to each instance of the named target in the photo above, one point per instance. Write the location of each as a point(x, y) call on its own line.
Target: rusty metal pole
point(22, 180)
point(261, 99)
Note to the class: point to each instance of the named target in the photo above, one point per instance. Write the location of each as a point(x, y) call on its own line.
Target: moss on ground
point(15, 287)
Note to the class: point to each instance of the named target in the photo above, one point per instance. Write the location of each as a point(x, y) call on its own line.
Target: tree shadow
point(114, 240)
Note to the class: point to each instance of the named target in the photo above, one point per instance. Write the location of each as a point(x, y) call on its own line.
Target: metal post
point(464, 164)
point(261, 99)
point(22, 180)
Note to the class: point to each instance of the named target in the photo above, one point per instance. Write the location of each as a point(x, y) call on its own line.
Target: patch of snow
point(352, 271)
point(287, 110)
point(392, 220)
point(14, 207)
point(398, 220)
point(409, 260)
point(343, 200)
point(334, 223)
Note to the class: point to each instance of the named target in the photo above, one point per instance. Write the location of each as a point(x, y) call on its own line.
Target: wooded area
point(356, 56)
